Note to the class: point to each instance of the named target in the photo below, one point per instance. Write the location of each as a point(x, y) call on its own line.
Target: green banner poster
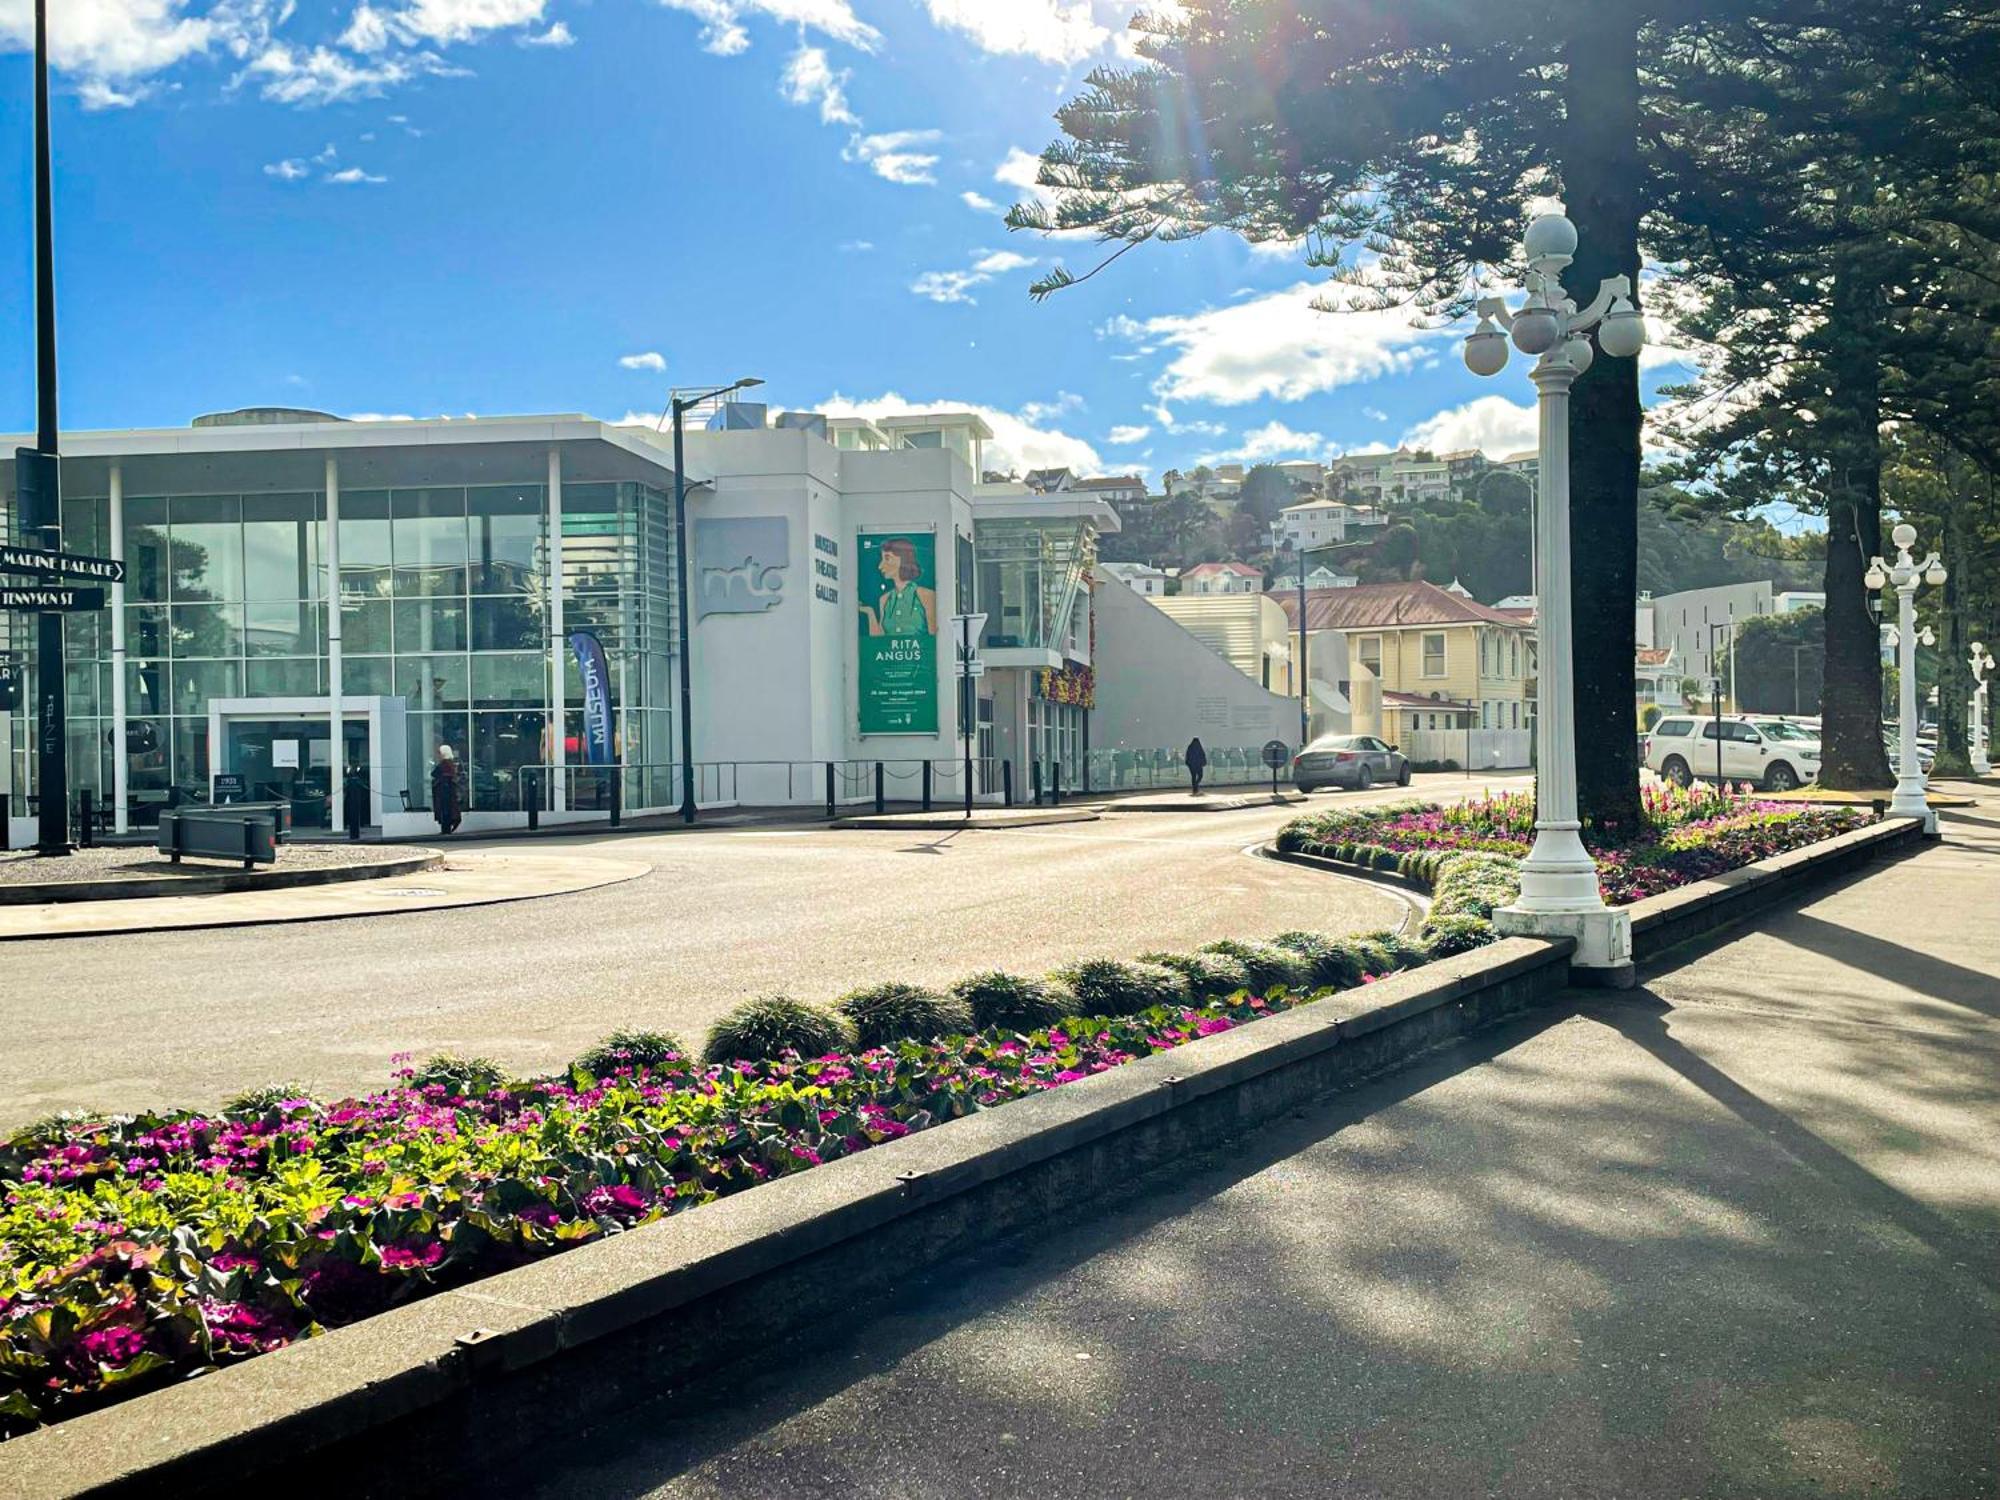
point(899, 633)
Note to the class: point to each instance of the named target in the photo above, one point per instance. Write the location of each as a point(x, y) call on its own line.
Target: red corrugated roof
point(1385, 606)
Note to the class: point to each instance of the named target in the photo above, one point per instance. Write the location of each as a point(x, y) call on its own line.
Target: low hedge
point(138, 1250)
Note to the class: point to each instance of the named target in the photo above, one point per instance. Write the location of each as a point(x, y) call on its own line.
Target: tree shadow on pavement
point(1641, 1018)
point(1930, 976)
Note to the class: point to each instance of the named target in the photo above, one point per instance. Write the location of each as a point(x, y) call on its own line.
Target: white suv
point(1757, 748)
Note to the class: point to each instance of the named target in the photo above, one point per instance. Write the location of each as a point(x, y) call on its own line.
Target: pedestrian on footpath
point(445, 800)
point(1197, 762)
point(354, 803)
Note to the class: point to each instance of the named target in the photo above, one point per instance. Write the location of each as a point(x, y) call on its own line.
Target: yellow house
point(1443, 660)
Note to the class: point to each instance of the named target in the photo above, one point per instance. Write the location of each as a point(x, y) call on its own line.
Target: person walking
point(445, 800)
point(354, 803)
point(1197, 762)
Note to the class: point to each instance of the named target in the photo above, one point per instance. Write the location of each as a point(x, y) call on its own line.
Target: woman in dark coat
point(1197, 762)
point(354, 802)
point(445, 791)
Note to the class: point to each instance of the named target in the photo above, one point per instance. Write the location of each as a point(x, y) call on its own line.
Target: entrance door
point(287, 760)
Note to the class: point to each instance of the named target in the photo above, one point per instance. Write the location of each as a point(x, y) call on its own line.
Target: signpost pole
point(52, 762)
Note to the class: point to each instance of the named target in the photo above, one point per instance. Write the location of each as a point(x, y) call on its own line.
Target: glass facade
point(1030, 573)
point(443, 601)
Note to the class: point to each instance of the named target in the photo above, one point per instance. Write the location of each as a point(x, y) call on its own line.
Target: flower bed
point(139, 1250)
point(1687, 834)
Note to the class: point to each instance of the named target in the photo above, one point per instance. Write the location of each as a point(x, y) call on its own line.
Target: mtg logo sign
point(739, 564)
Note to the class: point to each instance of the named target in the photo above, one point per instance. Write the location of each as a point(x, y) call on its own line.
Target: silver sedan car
point(1354, 761)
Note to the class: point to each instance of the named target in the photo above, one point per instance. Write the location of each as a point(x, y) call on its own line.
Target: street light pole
point(1559, 886)
point(1903, 575)
point(1982, 663)
point(677, 408)
point(1715, 692)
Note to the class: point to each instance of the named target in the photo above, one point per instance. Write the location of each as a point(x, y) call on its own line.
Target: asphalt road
point(1735, 1234)
point(191, 1017)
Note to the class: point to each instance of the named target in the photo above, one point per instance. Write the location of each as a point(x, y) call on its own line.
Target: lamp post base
point(1603, 938)
point(1910, 802)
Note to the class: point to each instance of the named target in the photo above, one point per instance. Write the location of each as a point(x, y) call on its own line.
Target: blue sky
point(432, 207)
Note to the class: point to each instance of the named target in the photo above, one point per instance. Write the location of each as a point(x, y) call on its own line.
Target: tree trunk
point(1854, 756)
point(1600, 180)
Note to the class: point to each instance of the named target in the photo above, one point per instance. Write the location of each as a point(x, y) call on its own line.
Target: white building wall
point(1681, 620)
point(1158, 686)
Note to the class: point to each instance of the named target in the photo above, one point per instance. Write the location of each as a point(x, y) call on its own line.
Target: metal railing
point(1138, 770)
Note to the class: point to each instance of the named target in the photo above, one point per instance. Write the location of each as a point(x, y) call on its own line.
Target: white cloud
point(319, 75)
point(111, 44)
point(1374, 414)
point(351, 175)
point(1066, 404)
point(810, 79)
point(1017, 444)
point(1274, 440)
point(1057, 31)
point(1123, 435)
point(1276, 346)
point(292, 169)
point(652, 359)
point(955, 286)
point(558, 35)
point(1492, 424)
point(890, 155)
point(855, 247)
point(438, 22)
point(724, 34)
point(979, 203)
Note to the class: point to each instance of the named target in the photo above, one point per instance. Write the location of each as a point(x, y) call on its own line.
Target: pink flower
point(406, 1257)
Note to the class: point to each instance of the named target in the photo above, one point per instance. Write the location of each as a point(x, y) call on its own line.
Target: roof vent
point(265, 416)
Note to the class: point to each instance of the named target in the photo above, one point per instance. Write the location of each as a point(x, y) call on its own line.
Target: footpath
point(1733, 1233)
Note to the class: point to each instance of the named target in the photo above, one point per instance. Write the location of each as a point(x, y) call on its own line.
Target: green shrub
point(467, 1077)
point(1374, 956)
point(1405, 951)
point(1112, 987)
point(1445, 936)
point(262, 1100)
point(892, 1011)
point(1473, 885)
point(1268, 965)
point(763, 1029)
point(633, 1049)
point(1208, 974)
point(1336, 965)
point(1012, 1001)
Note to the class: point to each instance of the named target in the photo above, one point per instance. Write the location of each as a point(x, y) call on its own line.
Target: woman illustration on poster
point(903, 607)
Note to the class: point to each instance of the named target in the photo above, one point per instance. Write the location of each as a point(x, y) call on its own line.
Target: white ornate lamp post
point(1982, 663)
point(1902, 575)
point(1559, 889)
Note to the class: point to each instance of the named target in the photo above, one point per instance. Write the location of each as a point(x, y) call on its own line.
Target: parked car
point(1356, 761)
point(1757, 748)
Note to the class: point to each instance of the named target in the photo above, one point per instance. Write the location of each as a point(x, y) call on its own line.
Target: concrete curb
point(60, 892)
point(952, 822)
point(1191, 805)
point(1695, 911)
point(471, 1378)
point(1662, 922)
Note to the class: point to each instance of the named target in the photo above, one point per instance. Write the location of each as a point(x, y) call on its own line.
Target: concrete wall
point(1682, 620)
point(1158, 687)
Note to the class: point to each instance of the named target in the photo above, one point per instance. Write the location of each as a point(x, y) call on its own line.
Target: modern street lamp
point(1902, 575)
point(1982, 663)
point(677, 408)
point(1559, 889)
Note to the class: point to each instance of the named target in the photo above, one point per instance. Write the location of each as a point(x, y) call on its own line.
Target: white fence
point(1469, 749)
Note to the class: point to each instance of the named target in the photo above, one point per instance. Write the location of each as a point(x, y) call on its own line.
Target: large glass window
point(426, 625)
point(509, 681)
point(364, 623)
point(506, 538)
point(508, 622)
point(281, 547)
point(205, 533)
point(288, 677)
point(365, 554)
point(431, 683)
point(429, 541)
point(207, 630)
point(284, 627)
point(146, 570)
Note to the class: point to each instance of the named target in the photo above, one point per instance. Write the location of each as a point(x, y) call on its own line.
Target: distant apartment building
point(1695, 623)
point(1246, 629)
point(1221, 578)
point(1140, 578)
point(1442, 660)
